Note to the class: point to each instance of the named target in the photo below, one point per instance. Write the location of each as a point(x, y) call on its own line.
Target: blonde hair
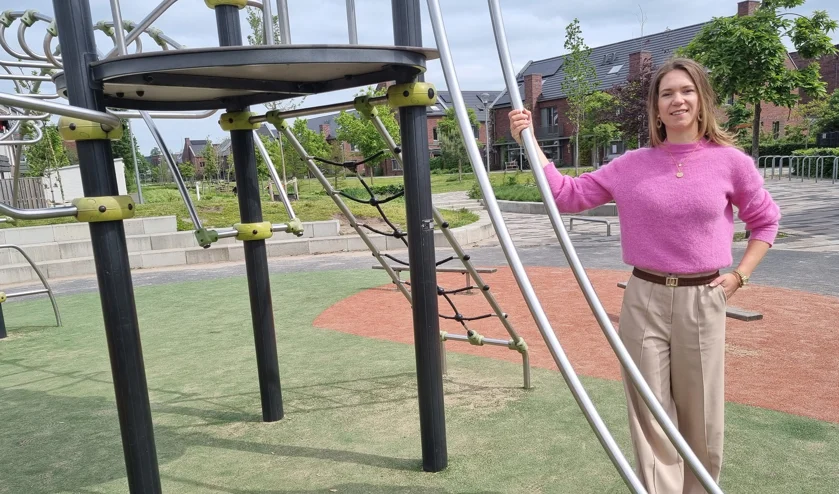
point(708, 125)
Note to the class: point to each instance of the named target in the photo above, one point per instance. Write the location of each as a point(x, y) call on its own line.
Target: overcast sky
point(535, 28)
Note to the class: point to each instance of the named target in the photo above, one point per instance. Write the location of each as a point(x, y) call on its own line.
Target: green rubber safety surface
point(351, 410)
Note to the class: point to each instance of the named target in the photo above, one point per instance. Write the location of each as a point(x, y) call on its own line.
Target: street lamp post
point(485, 100)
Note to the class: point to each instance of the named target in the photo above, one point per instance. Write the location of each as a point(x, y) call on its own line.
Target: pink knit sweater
point(669, 224)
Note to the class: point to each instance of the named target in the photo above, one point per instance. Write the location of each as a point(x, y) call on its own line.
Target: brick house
point(540, 85)
point(192, 154)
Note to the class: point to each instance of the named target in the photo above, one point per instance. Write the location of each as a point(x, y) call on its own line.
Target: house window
point(434, 134)
point(475, 131)
point(776, 130)
point(549, 117)
point(730, 99)
point(394, 165)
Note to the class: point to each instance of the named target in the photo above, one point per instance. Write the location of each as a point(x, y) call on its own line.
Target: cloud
point(535, 29)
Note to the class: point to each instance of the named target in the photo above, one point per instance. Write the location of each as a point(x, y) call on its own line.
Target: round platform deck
point(219, 78)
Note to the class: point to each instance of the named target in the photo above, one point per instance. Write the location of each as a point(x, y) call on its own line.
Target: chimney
point(639, 61)
point(532, 90)
point(324, 129)
point(747, 7)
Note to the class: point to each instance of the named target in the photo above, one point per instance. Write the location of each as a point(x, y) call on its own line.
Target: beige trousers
point(676, 336)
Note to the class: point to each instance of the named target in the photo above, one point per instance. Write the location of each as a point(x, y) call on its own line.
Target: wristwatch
point(744, 280)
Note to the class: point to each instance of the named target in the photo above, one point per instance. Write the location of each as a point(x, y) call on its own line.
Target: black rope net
point(400, 235)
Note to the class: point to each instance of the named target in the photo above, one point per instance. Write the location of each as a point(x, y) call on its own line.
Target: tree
point(739, 116)
point(47, 153)
point(313, 142)
point(361, 133)
point(598, 126)
point(257, 36)
point(827, 114)
point(187, 170)
point(580, 79)
point(631, 112)
point(122, 149)
point(452, 146)
point(746, 56)
point(210, 160)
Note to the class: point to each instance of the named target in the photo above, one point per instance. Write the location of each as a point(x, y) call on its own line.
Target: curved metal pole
point(25, 117)
point(40, 134)
point(5, 45)
point(38, 214)
point(26, 64)
point(21, 37)
point(41, 276)
point(48, 51)
point(274, 175)
point(143, 25)
point(108, 121)
point(579, 272)
point(267, 23)
point(165, 115)
point(573, 381)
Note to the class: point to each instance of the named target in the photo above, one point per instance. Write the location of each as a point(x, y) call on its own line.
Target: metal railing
point(816, 168)
point(47, 289)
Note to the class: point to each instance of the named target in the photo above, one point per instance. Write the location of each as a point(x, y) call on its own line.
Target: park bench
point(442, 269)
point(730, 311)
point(608, 222)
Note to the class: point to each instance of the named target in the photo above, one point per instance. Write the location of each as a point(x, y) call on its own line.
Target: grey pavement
point(807, 260)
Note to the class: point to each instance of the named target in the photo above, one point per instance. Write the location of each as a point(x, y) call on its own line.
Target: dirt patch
point(373, 222)
point(788, 361)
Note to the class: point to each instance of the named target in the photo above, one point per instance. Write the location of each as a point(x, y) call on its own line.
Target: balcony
point(548, 132)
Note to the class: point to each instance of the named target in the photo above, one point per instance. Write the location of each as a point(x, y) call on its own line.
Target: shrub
point(812, 167)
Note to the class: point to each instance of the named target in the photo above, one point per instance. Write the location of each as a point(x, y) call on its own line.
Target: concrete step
point(68, 232)
point(77, 249)
point(281, 245)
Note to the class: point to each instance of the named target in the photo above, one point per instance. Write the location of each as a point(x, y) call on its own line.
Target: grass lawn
point(351, 421)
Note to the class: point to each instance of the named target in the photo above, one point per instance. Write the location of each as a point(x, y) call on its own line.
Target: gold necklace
point(679, 164)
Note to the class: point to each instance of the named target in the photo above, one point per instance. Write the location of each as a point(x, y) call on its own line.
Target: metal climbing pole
point(110, 254)
point(256, 255)
point(407, 31)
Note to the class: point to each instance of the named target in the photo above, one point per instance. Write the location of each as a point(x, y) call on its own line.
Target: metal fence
point(30, 193)
point(818, 168)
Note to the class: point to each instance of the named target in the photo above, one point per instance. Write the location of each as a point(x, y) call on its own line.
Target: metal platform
point(218, 78)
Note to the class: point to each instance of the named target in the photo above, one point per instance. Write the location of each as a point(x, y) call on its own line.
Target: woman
point(675, 202)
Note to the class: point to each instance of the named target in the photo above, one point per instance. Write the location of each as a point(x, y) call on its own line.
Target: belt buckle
point(671, 281)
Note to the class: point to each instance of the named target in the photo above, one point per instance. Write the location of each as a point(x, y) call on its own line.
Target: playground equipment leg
point(407, 32)
point(110, 254)
point(256, 256)
point(2, 324)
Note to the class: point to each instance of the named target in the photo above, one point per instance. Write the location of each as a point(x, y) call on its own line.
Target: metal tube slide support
point(283, 21)
point(43, 279)
point(579, 272)
point(352, 30)
point(143, 25)
point(173, 169)
point(21, 35)
point(109, 122)
point(267, 22)
point(273, 171)
point(24, 142)
point(26, 117)
point(313, 168)
point(571, 378)
point(24, 77)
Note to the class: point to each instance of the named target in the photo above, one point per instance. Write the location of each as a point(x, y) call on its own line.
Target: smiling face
point(678, 102)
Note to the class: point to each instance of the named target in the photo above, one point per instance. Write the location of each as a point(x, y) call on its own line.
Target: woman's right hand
point(519, 120)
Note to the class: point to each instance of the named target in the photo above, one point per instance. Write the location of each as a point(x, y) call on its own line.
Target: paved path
point(809, 218)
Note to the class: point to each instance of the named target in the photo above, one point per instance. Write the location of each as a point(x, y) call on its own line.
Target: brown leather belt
point(674, 281)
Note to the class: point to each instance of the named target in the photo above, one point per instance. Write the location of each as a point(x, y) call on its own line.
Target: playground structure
point(164, 83)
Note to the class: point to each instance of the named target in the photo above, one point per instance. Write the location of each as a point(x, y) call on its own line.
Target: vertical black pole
point(256, 256)
point(407, 31)
point(110, 254)
point(2, 324)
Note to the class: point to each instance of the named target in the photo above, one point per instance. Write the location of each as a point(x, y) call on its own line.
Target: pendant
point(679, 174)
